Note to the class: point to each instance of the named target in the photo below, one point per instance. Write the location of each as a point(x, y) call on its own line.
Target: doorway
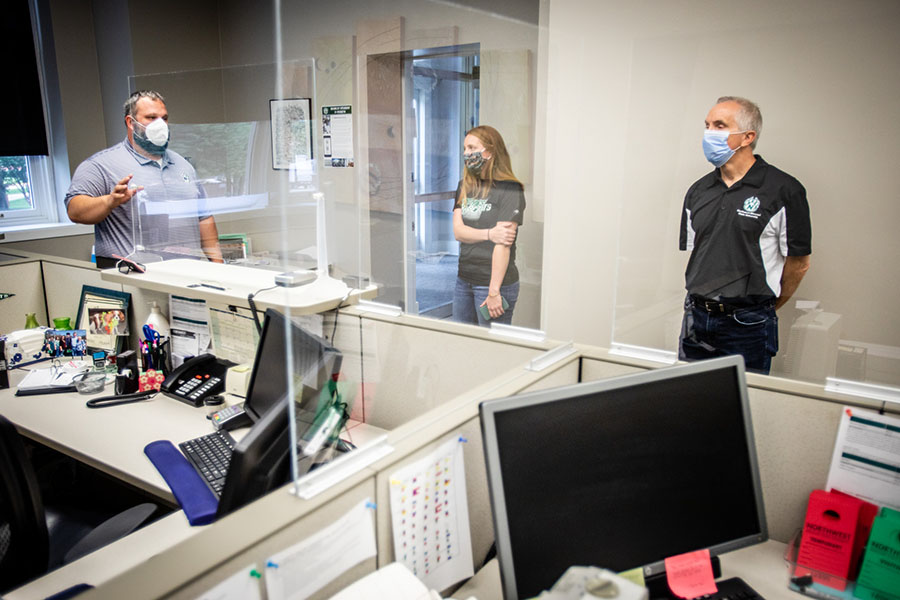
point(442, 102)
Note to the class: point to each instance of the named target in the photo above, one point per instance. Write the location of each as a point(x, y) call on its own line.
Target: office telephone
point(196, 379)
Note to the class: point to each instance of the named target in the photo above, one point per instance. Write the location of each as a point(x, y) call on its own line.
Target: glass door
point(442, 103)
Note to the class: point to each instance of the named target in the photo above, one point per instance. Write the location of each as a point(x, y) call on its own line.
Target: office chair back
point(24, 541)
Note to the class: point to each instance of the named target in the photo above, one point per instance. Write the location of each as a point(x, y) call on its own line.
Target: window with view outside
point(15, 184)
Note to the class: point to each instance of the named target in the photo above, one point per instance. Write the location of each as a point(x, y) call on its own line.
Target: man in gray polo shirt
point(168, 217)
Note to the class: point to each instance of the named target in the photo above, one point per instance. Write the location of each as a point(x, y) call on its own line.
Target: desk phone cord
point(105, 401)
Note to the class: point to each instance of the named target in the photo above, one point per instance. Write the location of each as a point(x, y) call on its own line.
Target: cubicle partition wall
point(21, 277)
point(410, 365)
point(422, 381)
point(247, 538)
point(794, 425)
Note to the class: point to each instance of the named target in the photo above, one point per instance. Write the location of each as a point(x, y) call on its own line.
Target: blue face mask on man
point(716, 148)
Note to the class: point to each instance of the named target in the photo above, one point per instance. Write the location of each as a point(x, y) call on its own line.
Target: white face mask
point(157, 132)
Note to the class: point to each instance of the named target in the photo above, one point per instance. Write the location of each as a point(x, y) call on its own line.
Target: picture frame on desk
point(103, 314)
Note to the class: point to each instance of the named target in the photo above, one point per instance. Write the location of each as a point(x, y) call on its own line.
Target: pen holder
point(802, 577)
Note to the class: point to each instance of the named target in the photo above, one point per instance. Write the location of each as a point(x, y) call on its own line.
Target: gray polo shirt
point(162, 218)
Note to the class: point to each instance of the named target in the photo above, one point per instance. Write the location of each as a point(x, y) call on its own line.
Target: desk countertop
point(232, 284)
point(109, 439)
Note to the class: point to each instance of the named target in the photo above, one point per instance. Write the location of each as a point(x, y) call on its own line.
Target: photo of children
point(61, 343)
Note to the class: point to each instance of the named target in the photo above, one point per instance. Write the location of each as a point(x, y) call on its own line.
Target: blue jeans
point(750, 330)
point(467, 298)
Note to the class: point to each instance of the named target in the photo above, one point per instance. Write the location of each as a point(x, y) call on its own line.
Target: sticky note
point(690, 575)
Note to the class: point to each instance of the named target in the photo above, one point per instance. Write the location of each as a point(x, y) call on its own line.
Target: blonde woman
point(489, 206)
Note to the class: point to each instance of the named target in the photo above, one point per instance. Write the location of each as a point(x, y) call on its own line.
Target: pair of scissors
point(151, 335)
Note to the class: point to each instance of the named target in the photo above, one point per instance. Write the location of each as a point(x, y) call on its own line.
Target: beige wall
point(79, 78)
point(618, 160)
point(73, 246)
point(630, 84)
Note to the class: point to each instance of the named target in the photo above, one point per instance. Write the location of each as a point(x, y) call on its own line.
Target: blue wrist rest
point(197, 501)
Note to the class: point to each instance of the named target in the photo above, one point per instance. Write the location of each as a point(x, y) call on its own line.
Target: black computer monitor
point(260, 461)
point(314, 362)
point(622, 473)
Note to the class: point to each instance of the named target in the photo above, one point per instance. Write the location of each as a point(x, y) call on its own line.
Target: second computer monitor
point(622, 473)
point(260, 461)
point(311, 364)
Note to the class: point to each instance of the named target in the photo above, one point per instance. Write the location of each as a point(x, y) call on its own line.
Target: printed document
point(304, 568)
point(866, 459)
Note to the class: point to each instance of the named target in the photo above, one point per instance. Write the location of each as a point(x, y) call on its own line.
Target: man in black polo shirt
point(747, 227)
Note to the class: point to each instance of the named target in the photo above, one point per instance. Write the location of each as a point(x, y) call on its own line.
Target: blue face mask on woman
point(715, 146)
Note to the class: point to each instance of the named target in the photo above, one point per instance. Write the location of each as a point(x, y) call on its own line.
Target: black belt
point(720, 307)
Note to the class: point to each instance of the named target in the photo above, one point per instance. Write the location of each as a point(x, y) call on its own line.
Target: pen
point(214, 287)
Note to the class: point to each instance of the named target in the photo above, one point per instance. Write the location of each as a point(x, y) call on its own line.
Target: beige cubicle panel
point(411, 364)
point(278, 521)
point(25, 281)
point(794, 427)
point(459, 418)
point(423, 381)
point(243, 540)
point(64, 281)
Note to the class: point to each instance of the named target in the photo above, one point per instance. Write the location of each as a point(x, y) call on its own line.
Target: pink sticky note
point(690, 575)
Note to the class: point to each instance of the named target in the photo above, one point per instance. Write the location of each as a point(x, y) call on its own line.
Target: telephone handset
point(196, 379)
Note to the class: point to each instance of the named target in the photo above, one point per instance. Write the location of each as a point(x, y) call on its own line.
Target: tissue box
point(25, 346)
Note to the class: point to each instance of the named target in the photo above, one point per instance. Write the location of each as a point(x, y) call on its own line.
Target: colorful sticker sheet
point(430, 517)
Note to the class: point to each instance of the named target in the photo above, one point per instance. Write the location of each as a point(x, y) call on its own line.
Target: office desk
point(762, 566)
point(231, 284)
point(112, 440)
point(109, 439)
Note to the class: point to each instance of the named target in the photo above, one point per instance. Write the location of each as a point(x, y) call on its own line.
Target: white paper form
point(243, 585)
point(866, 459)
point(189, 315)
point(304, 568)
point(430, 517)
point(234, 334)
point(393, 582)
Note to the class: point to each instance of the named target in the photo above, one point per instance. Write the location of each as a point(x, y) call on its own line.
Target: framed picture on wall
point(104, 315)
point(292, 135)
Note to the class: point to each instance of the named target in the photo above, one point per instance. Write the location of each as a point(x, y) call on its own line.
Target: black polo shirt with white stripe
point(739, 236)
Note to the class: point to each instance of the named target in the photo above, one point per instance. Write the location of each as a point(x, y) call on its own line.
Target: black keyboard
point(210, 455)
point(734, 588)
